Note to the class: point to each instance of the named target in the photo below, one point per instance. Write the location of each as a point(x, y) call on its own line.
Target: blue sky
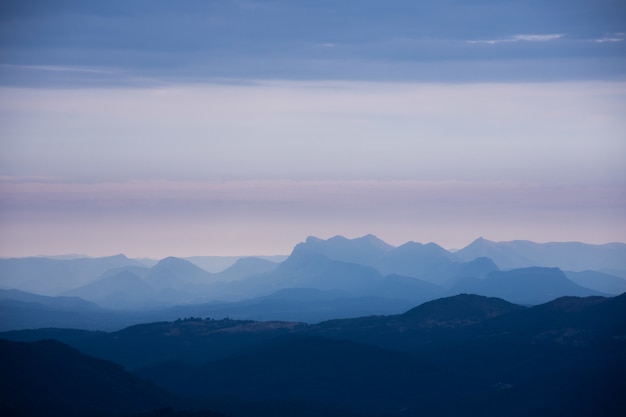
point(161, 128)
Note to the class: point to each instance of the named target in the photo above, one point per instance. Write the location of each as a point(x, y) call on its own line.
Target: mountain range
point(319, 280)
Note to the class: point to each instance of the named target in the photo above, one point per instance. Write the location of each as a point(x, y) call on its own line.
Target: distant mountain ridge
point(321, 279)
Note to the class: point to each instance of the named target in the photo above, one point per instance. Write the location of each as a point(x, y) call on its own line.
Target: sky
point(240, 127)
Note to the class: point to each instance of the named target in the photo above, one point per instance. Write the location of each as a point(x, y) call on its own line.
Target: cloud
point(520, 38)
point(559, 132)
point(537, 38)
point(616, 37)
point(61, 68)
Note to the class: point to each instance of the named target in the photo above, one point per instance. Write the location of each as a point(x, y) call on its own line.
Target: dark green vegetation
point(463, 355)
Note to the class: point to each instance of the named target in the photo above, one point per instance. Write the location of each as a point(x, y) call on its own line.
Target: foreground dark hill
point(468, 354)
point(48, 378)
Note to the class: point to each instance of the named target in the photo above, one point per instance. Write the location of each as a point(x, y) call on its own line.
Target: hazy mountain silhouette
point(366, 250)
point(22, 310)
point(598, 281)
point(311, 270)
point(171, 281)
point(123, 290)
point(216, 264)
point(245, 267)
point(524, 285)
point(417, 260)
point(428, 262)
point(320, 280)
point(571, 256)
point(54, 276)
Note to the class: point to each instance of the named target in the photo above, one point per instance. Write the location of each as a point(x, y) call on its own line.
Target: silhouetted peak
point(172, 261)
point(372, 240)
point(174, 264)
point(119, 256)
point(481, 242)
point(251, 261)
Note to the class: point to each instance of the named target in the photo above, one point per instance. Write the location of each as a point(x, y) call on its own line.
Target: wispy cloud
point(615, 37)
point(61, 68)
point(520, 38)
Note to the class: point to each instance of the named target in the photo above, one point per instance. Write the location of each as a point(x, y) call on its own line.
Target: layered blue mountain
point(217, 264)
point(310, 270)
point(598, 281)
point(245, 267)
point(320, 280)
point(22, 310)
point(429, 262)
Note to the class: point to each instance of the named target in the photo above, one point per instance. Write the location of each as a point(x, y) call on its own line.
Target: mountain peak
point(171, 260)
point(177, 266)
point(460, 310)
point(481, 241)
point(313, 239)
point(373, 240)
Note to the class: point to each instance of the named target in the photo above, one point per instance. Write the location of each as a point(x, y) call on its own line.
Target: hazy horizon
point(69, 255)
point(241, 127)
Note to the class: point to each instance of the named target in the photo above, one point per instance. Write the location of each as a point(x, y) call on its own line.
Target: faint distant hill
point(217, 264)
point(598, 281)
point(171, 281)
point(570, 256)
point(367, 250)
point(245, 267)
point(22, 310)
point(54, 276)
